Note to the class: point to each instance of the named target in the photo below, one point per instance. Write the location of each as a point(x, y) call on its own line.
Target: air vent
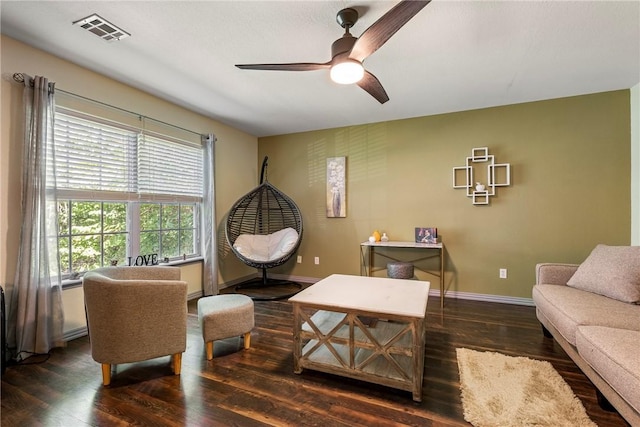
point(102, 28)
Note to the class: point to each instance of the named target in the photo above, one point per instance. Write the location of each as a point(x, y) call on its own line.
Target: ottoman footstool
point(225, 316)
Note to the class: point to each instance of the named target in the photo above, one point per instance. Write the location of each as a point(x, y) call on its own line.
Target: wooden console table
point(368, 251)
point(367, 328)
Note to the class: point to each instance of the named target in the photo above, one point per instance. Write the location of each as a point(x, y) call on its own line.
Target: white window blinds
point(166, 167)
point(92, 156)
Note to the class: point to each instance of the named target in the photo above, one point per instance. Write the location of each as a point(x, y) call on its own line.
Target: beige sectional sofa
point(601, 333)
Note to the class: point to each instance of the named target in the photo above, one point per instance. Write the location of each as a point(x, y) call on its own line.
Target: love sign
point(150, 259)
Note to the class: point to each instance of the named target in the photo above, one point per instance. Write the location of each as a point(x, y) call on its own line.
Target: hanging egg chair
point(264, 230)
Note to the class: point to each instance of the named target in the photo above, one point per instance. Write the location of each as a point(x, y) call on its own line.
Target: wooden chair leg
point(209, 345)
point(106, 374)
point(247, 340)
point(176, 360)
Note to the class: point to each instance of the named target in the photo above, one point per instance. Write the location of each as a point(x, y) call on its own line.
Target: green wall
point(570, 174)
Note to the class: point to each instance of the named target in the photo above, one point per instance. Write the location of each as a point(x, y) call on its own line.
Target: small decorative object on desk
point(377, 236)
point(426, 235)
point(372, 239)
point(479, 187)
point(384, 237)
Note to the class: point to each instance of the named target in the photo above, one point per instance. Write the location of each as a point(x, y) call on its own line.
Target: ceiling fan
point(348, 52)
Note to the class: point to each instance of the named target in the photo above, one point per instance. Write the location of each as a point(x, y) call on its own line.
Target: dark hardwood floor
point(258, 387)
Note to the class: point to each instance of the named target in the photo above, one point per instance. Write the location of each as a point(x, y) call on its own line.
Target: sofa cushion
point(613, 353)
point(567, 308)
point(612, 271)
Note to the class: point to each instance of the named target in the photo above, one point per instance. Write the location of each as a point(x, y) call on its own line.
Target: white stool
point(225, 316)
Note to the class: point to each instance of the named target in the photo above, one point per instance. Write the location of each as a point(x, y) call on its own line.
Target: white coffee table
point(367, 328)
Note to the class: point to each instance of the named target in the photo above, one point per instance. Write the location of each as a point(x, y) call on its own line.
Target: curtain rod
point(19, 77)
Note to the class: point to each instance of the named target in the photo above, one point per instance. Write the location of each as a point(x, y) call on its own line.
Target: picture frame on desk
point(426, 235)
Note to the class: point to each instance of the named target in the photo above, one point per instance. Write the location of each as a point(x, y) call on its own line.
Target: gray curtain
point(210, 269)
point(35, 318)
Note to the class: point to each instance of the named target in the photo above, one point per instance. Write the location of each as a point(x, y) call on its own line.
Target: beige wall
point(236, 151)
point(570, 161)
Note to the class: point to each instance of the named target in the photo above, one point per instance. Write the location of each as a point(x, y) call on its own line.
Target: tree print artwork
point(336, 187)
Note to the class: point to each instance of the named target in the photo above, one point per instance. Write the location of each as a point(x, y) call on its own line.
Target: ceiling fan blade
point(372, 85)
point(303, 66)
point(380, 31)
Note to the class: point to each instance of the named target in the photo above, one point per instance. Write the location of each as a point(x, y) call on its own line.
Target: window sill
point(76, 283)
point(71, 283)
point(180, 262)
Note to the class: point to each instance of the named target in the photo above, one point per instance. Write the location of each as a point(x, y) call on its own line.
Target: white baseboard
point(75, 333)
point(434, 292)
point(483, 297)
point(195, 295)
point(302, 279)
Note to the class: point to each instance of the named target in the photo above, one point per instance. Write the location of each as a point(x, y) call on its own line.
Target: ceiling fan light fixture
point(347, 72)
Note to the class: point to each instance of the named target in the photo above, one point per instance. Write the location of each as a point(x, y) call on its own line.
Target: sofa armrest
point(554, 273)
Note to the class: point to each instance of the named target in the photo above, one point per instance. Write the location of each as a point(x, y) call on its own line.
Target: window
point(169, 230)
point(91, 234)
point(123, 193)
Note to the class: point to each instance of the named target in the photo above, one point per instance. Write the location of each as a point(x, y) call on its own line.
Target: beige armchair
point(135, 314)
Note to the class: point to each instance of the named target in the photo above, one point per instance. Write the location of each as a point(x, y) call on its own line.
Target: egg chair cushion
point(266, 247)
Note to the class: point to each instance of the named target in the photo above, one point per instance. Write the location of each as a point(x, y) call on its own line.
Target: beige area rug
point(499, 390)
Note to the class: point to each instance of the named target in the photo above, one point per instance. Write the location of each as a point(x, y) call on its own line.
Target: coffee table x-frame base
point(365, 340)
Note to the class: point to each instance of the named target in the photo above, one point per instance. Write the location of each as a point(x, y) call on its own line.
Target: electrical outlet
point(299, 259)
point(503, 273)
point(316, 260)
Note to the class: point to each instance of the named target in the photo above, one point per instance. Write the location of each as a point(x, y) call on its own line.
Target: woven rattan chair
point(264, 230)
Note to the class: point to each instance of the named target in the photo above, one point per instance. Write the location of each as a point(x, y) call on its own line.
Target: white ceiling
point(452, 56)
